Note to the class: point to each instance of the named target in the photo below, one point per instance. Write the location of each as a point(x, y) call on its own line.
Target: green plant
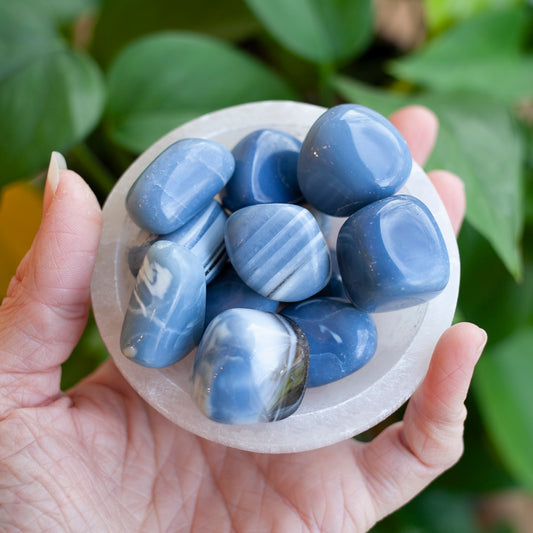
point(100, 81)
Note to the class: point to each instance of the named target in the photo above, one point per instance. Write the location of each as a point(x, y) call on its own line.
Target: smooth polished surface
point(351, 156)
point(341, 338)
point(158, 329)
point(250, 367)
point(278, 250)
point(265, 170)
point(392, 255)
point(178, 184)
point(203, 235)
point(228, 291)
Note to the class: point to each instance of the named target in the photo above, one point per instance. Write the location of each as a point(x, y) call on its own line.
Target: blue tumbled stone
point(341, 338)
point(203, 235)
point(278, 251)
point(165, 316)
point(351, 156)
point(250, 367)
point(265, 170)
point(392, 255)
point(228, 291)
point(179, 183)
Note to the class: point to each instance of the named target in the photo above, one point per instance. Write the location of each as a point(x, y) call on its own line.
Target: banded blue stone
point(164, 320)
point(179, 183)
point(278, 251)
point(203, 235)
point(392, 255)
point(265, 170)
point(341, 338)
point(250, 367)
point(228, 291)
point(350, 157)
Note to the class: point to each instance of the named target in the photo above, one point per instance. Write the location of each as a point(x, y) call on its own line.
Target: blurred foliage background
point(100, 80)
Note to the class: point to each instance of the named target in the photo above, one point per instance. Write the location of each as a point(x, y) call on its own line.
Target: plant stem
point(95, 172)
point(325, 91)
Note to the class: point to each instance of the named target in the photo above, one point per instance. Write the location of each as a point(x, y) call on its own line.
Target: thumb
point(47, 302)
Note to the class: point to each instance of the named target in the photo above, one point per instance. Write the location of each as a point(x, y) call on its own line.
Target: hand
point(97, 458)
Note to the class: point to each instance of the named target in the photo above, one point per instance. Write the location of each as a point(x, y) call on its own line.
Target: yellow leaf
point(20, 216)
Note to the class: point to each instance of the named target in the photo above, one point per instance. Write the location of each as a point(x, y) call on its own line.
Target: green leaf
point(481, 54)
point(502, 384)
point(50, 96)
point(164, 80)
point(479, 141)
point(322, 32)
point(63, 10)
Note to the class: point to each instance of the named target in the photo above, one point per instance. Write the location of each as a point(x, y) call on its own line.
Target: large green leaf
point(502, 384)
point(478, 141)
point(481, 54)
point(161, 81)
point(50, 96)
point(322, 32)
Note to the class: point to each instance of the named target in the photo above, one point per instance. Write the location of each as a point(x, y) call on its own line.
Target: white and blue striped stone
point(178, 184)
point(203, 235)
point(278, 250)
point(164, 320)
point(250, 367)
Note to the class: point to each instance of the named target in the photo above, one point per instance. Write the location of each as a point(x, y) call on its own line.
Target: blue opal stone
point(265, 170)
point(341, 338)
point(165, 316)
point(250, 367)
point(351, 156)
point(178, 184)
point(228, 291)
point(203, 235)
point(392, 255)
point(335, 286)
point(278, 251)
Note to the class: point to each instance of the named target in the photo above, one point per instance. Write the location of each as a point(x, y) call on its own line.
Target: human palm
point(98, 458)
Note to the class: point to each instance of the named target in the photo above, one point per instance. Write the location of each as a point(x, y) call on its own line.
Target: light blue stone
point(265, 170)
point(278, 251)
point(203, 235)
point(392, 255)
point(335, 286)
point(228, 291)
point(165, 316)
point(179, 183)
point(341, 338)
point(351, 156)
point(250, 367)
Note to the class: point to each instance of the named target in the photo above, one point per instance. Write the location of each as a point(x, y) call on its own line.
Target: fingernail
point(57, 163)
point(482, 341)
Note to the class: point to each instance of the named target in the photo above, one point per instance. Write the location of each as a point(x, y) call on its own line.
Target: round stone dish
point(329, 413)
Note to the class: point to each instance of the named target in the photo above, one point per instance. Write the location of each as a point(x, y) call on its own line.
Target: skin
point(97, 458)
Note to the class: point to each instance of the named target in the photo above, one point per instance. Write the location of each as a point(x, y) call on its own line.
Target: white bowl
point(328, 414)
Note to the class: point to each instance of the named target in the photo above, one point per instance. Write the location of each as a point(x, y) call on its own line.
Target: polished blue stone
point(335, 287)
point(250, 367)
point(228, 291)
point(392, 255)
point(165, 316)
point(351, 156)
point(179, 183)
point(341, 338)
point(265, 170)
point(203, 235)
point(278, 251)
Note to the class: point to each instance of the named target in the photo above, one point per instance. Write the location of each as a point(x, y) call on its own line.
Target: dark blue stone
point(351, 156)
point(228, 291)
point(250, 367)
point(265, 170)
point(178, 183)
point(165, 317)
point(203, 235)
point(392, 255)
point(278, 251)
point(341, 338)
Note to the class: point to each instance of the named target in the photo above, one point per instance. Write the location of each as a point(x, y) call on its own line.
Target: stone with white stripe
point(278, 250)
point(165, 317)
